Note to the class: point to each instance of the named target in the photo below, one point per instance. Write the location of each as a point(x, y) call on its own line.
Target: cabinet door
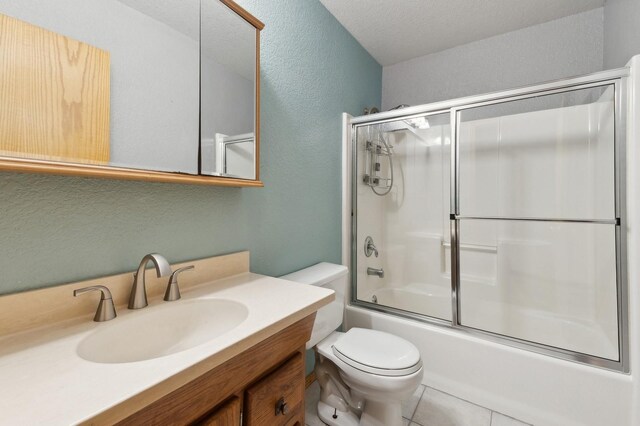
point(277, 399)
point(227, 415)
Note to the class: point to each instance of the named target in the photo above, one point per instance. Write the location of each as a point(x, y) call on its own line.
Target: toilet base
point(381, 414)
point(343, 418)
point(375, 414)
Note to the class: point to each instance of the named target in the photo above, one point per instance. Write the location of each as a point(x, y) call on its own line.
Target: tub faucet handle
point(173, 291)
point(370, 247)
point(106, 311)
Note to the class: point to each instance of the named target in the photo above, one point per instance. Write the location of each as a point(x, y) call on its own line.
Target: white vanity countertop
point(44, 381)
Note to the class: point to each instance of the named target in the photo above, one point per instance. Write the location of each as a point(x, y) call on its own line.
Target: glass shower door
point(401, 187)
point(502, 216)
point(536, 201)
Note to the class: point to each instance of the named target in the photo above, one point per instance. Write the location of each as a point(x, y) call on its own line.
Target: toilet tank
point(334, 277)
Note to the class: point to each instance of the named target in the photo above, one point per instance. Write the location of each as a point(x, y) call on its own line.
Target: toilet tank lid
point(318, 274)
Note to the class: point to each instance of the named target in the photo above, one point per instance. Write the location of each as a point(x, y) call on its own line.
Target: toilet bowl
point(364, 375)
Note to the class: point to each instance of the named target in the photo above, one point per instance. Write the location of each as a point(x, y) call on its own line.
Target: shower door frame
point(616, 78)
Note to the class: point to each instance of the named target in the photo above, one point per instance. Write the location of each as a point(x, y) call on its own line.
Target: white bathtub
point(535, 388)
point(510, 320)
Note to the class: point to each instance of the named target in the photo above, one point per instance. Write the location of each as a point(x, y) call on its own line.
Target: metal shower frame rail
point(616, 78)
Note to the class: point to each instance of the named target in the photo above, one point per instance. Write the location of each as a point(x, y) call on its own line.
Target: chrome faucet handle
point(173, 291)
point(370, 247)
point(106, 311)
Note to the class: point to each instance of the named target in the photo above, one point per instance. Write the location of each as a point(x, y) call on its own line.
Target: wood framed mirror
point(128, 89)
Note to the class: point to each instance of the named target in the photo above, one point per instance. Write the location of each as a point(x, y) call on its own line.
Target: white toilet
point(364, 375)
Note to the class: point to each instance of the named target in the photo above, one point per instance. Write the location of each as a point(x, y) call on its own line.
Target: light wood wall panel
point(54, 95)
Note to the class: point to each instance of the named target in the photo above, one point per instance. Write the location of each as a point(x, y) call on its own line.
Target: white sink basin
point(153, 333)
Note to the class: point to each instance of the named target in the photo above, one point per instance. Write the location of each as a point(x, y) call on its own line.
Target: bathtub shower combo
point(499, 223)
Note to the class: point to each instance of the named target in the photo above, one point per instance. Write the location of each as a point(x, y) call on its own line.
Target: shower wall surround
point(63, 229)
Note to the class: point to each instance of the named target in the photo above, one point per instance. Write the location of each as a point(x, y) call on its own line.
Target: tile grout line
point(512, 418)
point(424, 389)
point(413, 413)
point(472, 403)
point(422, 394)
point(462, 399)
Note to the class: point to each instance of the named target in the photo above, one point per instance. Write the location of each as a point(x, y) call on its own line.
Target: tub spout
point(374, 271)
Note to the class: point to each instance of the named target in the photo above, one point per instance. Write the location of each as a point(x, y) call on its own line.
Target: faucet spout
point(374, 271)
point(138, 296)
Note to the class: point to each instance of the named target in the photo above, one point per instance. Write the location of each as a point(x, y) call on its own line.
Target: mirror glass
point(155, 88)
point(119, 84)
point(228, 86)
point(116, 82)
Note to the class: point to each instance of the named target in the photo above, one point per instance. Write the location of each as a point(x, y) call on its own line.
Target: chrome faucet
point(374, 271)
point(138, 297)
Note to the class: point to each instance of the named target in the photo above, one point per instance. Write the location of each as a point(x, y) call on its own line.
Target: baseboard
point(308, 381)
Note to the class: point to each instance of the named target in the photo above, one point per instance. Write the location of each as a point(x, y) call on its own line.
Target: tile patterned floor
point(428, 407)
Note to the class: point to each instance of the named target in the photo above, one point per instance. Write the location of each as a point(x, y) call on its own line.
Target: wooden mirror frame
point(24, 165)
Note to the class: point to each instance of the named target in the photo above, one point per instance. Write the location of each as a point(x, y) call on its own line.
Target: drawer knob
point(282, 407)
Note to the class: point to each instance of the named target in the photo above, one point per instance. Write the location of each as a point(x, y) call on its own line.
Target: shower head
point(411, 124)
point(418, 122)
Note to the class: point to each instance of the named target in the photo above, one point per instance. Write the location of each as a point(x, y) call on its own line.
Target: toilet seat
point(377, 352)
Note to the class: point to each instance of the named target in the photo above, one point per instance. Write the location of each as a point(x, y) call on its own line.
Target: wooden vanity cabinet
point(262, 386)
point(277, 399)
point(230, 413)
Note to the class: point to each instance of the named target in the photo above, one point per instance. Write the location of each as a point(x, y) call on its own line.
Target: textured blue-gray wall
point(62, 229)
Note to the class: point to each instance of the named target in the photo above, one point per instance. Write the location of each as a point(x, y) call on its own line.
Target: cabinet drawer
point(226, 415)
point(284, 388)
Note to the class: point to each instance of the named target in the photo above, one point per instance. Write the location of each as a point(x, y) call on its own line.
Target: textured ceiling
point(393, 31)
